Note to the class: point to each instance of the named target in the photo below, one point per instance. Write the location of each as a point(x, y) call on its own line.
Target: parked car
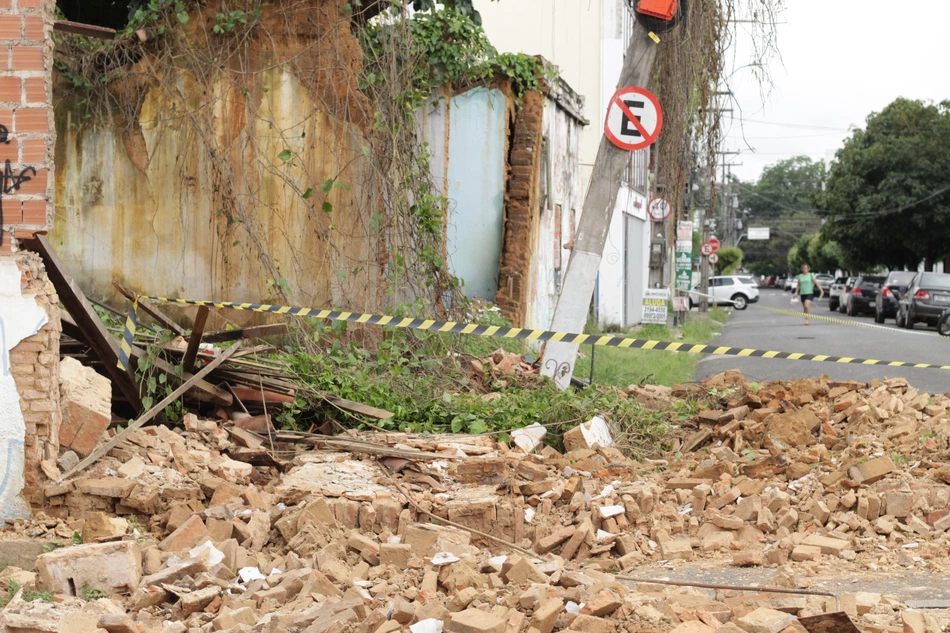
point(837, 290)
point(735, 290)
point(791, 279)
point(846, 295)
point(894, 288)
point(863, 294)
point(927, 297)
point(825, 281)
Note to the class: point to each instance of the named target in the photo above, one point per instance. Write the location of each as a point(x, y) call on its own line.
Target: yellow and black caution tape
point(125, 345)
point(433, 325)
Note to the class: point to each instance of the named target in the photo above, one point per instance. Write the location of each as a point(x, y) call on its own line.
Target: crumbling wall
point(521, 208)
point(216, 189)
point(29, 380)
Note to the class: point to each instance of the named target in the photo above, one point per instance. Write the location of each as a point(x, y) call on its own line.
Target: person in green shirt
point(807, 283)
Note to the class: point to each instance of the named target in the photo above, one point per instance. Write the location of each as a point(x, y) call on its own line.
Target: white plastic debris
point(215, 555)
point(395, 540)
point(603, 535)
point(611, 511)
point(497, 562)
point(572, 608)
point(528, 439)
point(247, 574)
point(528, 515)
point(429, 625)
point(444, 558)
point(606, 492)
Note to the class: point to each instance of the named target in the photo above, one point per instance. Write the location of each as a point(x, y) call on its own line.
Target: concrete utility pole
point(577, 288)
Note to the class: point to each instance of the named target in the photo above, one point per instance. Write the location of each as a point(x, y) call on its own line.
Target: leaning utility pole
point(577, 289)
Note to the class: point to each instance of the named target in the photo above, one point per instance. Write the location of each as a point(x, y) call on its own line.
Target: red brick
point(10, 151)
point(5, 4)
point(28, 58)
point(10, 27)
point(34, 150)
point(29, 4)
point(12, 212)
point(6, 245)
point(36, 184)
point(34, 214)
point(9, 88)
point(31, 120)
point(33, 27)
point(36, 90)
point(4, 58)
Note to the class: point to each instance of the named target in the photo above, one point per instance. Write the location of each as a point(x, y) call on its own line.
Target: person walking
point(807, 283)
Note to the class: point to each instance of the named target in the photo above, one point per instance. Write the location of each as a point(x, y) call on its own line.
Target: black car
point(894, 288)
point(925, 300)
point(864, 294)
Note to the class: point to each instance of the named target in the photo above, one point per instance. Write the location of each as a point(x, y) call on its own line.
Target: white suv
point(735, 290)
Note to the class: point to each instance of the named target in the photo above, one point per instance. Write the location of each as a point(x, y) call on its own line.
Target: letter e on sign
point(634, 118)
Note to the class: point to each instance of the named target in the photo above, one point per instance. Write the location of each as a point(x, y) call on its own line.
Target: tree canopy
point(887, 198)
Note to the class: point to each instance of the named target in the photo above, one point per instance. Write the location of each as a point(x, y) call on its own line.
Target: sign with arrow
point(659, 208)
point(634, 118)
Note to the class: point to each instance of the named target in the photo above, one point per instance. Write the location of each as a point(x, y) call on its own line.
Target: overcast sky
point(840, 61)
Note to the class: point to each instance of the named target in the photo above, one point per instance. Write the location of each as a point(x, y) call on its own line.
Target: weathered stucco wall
point(193, 199)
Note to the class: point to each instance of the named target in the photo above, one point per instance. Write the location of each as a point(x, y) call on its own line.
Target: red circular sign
point(706, 249)
point(634, 118)
point(714, 242)
point(659, 208)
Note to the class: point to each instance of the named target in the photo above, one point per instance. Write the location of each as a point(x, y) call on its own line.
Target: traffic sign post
point(714, 242)
point(713, 258)
point(706, 249)
point(659, 208)
point(634, 118)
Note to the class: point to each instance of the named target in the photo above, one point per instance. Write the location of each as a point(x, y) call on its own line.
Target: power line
point(796, 125)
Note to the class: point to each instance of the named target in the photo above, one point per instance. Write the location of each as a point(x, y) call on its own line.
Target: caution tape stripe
point(125, 345)
point(514, 333)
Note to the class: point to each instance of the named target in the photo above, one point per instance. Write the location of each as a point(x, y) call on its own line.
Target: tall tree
point(887, 198)
point(782, 200)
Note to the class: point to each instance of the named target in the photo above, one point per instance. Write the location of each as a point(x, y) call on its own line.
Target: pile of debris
point(213, 527)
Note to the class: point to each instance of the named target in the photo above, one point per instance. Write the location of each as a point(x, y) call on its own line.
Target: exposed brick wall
point(521, 208)
point(34, 365)
point(26, 118)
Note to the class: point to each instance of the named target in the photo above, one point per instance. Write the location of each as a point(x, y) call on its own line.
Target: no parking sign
point(634, 118)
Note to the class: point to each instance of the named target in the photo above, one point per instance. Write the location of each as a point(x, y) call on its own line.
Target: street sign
point(654, 305)
point(759, 233)
point(714, 242)
point(684, 231)
point(706, 249)
point(634, 118)
point(660, 208)
point(713, 259)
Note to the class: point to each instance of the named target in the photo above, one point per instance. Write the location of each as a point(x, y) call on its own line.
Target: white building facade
point(586, 40)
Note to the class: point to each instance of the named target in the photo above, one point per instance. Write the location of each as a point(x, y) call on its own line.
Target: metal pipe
point(706, 585)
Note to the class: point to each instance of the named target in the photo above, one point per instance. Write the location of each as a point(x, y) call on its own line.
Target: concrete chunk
point(86, 405)
point(109, 567)
point(475, 621)
point(765, 620)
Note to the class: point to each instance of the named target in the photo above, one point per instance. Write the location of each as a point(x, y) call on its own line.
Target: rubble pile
point(212, 527)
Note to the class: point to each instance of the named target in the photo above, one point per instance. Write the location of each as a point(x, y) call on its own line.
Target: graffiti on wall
point(20, 318)
point(10, 181)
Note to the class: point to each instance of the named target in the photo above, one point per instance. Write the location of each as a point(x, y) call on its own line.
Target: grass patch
point(623, 367)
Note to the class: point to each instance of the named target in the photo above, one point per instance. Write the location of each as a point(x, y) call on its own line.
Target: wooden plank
point(151, 413)
point(105, 347)
point(257, 331)
point(188, 362)
point(148, 308)
point(87, 30)
point(201, 390)
point(252, 394)
point(362, 409)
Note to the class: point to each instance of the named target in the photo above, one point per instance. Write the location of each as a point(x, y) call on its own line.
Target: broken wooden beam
point(151, 413)
point(362, 409)
point(194, 341)
point(258, 331)
point(105, 346)
point(201, 390)
point(148, 308)
point(86, 30)
point(256, 394)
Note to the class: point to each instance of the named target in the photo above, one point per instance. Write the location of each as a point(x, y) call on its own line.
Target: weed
point(89, 594)
point(45, 596)
point(49, 547)
point(77, 538)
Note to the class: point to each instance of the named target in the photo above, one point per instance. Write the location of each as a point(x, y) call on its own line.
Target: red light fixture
point(922, 294)
point(886, 292)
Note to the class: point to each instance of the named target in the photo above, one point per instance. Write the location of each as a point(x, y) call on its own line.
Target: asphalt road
point(761, 329)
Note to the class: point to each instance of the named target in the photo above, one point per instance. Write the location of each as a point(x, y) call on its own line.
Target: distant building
point(586, 40)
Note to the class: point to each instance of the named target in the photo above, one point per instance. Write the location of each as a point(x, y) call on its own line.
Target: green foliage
point(153, 383)
point(426, 380)
point(782, 199)
point(155, 13)
point(464, 7)
point(887, 200)
point(819, 253)
point(730, 259)
point(230, 19)
point(89, 594)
